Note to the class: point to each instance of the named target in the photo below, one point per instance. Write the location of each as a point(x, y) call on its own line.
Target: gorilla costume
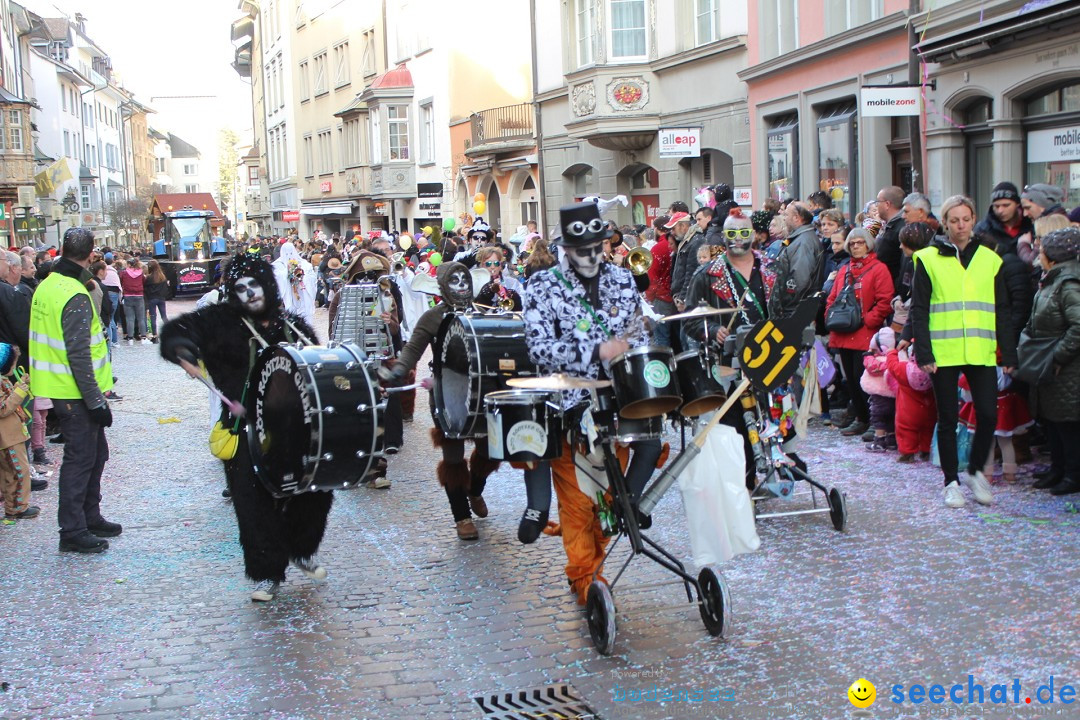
point(273, 532)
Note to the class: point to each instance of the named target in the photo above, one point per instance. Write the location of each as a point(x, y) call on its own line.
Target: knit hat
point(1061, 245)
point(917, 377)
point(1005, 191)
point(7, 358)
point(761, 219)
point(1074, 216)
point(1044, 195)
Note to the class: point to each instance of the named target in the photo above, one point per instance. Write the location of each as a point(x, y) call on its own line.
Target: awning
point(339, 209)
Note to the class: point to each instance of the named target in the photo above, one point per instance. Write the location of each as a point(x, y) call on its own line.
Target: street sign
point(290, 215)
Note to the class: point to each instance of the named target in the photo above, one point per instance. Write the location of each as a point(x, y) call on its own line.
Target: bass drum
point(475, 355)
point(314, 418)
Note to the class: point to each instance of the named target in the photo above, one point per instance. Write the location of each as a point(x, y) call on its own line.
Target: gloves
point(101, 415)
point(387, 375)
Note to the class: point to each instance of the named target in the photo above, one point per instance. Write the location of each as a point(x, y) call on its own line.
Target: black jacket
point(686, 262)
point(15, 320)
point(922, 289)
point(1056, 313)
point(887, 246)
point(991, 233)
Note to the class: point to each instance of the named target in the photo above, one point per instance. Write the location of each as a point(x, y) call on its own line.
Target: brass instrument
point(639, 260)
point(398, 263)
point(506, 303)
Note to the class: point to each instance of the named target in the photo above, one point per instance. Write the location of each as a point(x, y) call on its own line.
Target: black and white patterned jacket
point(562, 335)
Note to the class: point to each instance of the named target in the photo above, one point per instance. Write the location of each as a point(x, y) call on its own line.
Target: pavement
point(413, 623)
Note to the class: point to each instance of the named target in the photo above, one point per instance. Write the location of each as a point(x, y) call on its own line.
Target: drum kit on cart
point(316, 418)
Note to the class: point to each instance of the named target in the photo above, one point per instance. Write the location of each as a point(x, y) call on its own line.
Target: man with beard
point(577, 315)
point(273, 532)
point(463, 481)
point(740, 276)
point(1003, 227)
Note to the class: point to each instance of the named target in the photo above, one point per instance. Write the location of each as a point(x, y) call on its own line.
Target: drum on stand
point(524, 425)
point(474, 355)
point(314, 418)
point(700, 375)
point(644, 380)
point(625, 430)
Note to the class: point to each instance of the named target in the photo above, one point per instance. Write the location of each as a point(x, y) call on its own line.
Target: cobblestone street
point(413, 623)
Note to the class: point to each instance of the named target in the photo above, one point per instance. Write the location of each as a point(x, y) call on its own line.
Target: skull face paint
point(250, 294)
point(738, 236)
point(586, 259)
point(460, 288)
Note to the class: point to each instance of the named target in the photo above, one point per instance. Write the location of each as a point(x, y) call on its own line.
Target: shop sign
point(1054, 145)
point(744, 196)
point(890, 101)
point(326, 186)
point(290, 216)
point(680, 142)
point(645, 209)
point(429, 190)
point(432, 209)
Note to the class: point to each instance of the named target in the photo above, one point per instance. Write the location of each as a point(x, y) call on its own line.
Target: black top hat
point(582, 225)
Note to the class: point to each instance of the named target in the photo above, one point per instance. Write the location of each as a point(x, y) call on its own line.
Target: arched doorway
point(493, 213)
point(462, 199)
point(641, 184)
point(712, 168)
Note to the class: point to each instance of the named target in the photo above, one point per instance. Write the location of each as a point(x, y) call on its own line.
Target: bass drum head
point(279, 433)
point(453, 391)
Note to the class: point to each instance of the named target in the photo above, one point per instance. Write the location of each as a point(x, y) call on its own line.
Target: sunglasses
point(493, 263)
point(744, 233)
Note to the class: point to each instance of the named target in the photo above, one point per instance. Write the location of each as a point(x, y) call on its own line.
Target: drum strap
point(584, 303)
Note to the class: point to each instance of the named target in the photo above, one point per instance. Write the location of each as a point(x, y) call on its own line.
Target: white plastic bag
point(718, 509)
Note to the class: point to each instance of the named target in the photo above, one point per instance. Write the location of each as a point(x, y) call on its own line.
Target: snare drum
point(645, 384)
point(524, 425)
point(474, 355)
point(699, 377)
point(625, 430)
point(313, 418)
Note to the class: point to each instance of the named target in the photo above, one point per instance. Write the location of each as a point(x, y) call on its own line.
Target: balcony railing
point(513, 122)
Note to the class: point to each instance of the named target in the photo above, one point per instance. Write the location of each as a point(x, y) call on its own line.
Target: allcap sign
point(1060, 144)
point(680, 142)
point(892, 101)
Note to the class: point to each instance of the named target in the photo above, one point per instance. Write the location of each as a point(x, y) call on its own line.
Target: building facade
point(613, 73)
point(1003, 96)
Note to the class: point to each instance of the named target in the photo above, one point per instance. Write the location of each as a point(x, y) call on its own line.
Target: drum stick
point(406, 388)
point(235, 408)
point(667, 478)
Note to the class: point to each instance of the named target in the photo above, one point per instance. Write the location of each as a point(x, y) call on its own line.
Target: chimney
point(80, 22)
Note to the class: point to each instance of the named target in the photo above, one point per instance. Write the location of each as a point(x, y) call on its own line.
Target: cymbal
point(558, 381)
point(701, 311)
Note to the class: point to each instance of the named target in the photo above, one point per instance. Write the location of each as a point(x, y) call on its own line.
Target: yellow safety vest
point(963, 328)
point(50, 373)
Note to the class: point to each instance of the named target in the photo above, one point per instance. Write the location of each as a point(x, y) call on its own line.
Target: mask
point(250, 294)
point(460, 289)
point(586, 260)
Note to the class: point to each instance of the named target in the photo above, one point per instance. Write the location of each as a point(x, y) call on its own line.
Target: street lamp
point(26, 194)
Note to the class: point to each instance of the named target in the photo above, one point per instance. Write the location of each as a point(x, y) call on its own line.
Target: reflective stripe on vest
point(963, 320)
point(50, 372)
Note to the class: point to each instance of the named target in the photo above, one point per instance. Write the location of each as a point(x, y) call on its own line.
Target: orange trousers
point(583, 539)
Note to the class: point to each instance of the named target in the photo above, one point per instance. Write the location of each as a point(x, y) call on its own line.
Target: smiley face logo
point(862, 693)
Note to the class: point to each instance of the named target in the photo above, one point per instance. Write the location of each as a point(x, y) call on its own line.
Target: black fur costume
point(272, 531)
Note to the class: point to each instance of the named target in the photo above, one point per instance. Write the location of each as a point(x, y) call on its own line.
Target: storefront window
point(783, 157)
point(837, 155)
point(1052, 130)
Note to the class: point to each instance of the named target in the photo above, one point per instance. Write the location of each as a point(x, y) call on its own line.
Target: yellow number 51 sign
point(770, 354)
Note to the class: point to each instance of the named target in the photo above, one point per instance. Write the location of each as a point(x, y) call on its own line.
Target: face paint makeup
point(586, 259)
point(250, 294)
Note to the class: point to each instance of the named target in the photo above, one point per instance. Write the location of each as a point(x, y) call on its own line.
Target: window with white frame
point(191, 188)
point(376, 137)
point(271, 84)
point(586, 31)
point(280, 81)
point(341, 64)
point(397, 129)
point(67, 144)
point(320, 73)
point(159, 164)
point(64, 97)
point(14, 140)
point(367, 64)
point(326, 159)
point(87, 197)
point(627, 29)
point(427, 133)
point(842, 15)
point(190, 169)
point(305, 80)
point(350, 142)
point(706, 21)
point(309, 157)
point(779, 27)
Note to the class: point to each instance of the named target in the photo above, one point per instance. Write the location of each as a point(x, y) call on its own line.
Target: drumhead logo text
point(280, 363)
point(526, 436)
point(657, 374)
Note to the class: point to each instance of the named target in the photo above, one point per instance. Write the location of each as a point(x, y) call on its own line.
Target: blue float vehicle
point(185, 242)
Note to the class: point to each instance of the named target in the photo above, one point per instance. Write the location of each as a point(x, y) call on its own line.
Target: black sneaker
point(226, 493)
point(38, 485)
point(113, 396)
point(105, 529)
point(86, 542)
point(58, 439)
point(31, 512)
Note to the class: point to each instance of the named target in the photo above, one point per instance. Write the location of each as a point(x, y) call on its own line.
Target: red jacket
point(874, 290)
point(660, 271)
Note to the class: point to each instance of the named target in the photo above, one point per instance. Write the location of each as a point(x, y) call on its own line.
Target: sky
point(161, 50)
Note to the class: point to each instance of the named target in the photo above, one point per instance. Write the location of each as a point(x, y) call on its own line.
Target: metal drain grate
point(548, 702)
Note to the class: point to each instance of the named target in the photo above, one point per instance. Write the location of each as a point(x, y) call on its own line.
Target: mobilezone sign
point(892, 101)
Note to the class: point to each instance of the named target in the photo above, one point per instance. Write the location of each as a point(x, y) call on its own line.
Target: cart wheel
point(600, 613)
point(838, 509)
point(715, 601)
